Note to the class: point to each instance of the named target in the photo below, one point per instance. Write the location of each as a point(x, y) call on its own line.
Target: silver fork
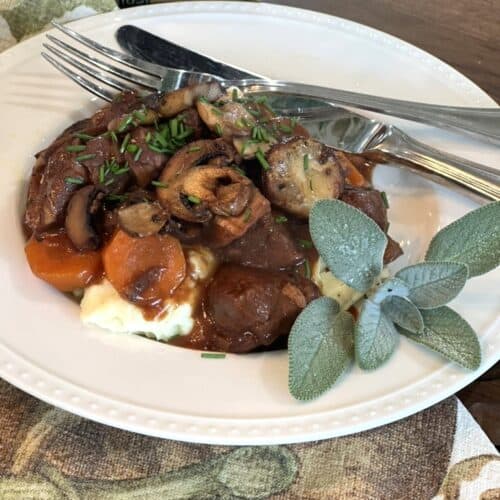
point(482, 121)
point(347, 130)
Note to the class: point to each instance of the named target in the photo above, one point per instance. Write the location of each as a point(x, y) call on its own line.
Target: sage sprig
point(324, 339)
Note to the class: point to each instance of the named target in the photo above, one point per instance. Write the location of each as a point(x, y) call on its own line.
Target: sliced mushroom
point(301, 172)
point(142, 219)
point(199, 193)
point(195, 153)
point(173, 103)
point(83, 205)
point(226, 119)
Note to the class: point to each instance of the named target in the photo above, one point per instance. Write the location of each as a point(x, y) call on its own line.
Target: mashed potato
point(332, 287)
point(102, 306)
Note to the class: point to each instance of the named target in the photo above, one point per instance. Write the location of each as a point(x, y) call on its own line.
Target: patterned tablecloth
point(48, 453)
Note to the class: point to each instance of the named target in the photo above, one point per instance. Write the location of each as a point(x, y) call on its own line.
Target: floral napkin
point(47, 453)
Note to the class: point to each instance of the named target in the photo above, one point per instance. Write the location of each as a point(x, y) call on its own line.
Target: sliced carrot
point(145, 270)
point(56, 261)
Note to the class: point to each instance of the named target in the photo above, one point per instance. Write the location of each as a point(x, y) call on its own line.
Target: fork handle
point(477, 178)
point(482, 121)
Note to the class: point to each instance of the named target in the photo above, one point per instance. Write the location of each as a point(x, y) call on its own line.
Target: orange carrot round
point(56, 261)
point(152, 267)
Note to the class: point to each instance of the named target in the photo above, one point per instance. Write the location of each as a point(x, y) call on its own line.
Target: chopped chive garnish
point(384, 199)
point(125, 142)
point(203, 99)
point(306, 162)
point(124, 124)
point(281, 219)
point(213, 355)
point(285, 128)
point(305, 243)
point(247, 215)
point(83, 137)
point(254, 112)
point(235, 95)
point(89, 156)
point(261, 100)
point(74, 180)
point(121, 171)
point(239, 123)
point(307, 269)
point(194, 199)
point(108, 182)
point(114, 137)
point(140, 115)
point(102, 174)
point(193, 149)
point(262, 159)
point(216, 111)
point(138, 154)
point(74, 148)
point(218, 129)
point(148, 137)
point(159, 184)
point(239, 170)
point(132, 148)
point(174, 127)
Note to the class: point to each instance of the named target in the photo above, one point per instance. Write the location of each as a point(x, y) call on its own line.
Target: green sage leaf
point(389, 288)
point(350, 243)
point(473, 240)
point(404, 313)
point(375, 337)
point(433, 284)
point(320, 348)
point(447, 333)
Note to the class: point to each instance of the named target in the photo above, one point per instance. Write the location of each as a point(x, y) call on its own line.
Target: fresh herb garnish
point(412, 303)
point(218, 129)
point(281, 219)
point(305, 243)
point(168, 137)
point(285, 128)
point(193, 199)
point(234, 95)
point(75, 148)
point(116, 197)
point(125, 142)
point(138, 154)
point(82, 136)
point(213, 355)
point(307, 269)
point(262, 159)
point(194, 149)
point(159, 184)
point(132, 148)
point(247, 215)
point(74, 180)
point(89, 156)
point(306, 162)
point(384, 199)
point(125, 123)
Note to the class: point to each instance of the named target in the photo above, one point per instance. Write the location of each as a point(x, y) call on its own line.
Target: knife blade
point(152, 48)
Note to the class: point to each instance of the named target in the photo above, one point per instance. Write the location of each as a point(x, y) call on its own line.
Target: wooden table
point(466, 35)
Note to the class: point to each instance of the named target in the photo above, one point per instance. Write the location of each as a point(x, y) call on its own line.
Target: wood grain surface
point(463, 33)
point(466, 35)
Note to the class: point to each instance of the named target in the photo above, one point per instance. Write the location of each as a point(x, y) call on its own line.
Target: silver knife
point(152, 48)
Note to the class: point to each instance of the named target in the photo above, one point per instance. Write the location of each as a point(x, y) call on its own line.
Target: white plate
point(165, 391)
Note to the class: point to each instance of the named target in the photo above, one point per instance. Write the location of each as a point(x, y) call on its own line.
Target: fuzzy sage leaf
point(351, 244)
point(433, 284)
point(404, 313)
point(375, 337)
point(447, 333)
point(320, 348)
point(391, 287)
point(473, 240)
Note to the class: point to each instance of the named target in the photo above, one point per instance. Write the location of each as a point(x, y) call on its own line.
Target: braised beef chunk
point(145, 164)
point(56, 189)
point(268, 245)
point(251, 308)
point(123, 104)
point(370, 202)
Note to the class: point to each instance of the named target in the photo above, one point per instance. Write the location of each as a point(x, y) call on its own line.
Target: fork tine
point(98, 75)
point(144, 81)
point(91, 87)
point(133, 62)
